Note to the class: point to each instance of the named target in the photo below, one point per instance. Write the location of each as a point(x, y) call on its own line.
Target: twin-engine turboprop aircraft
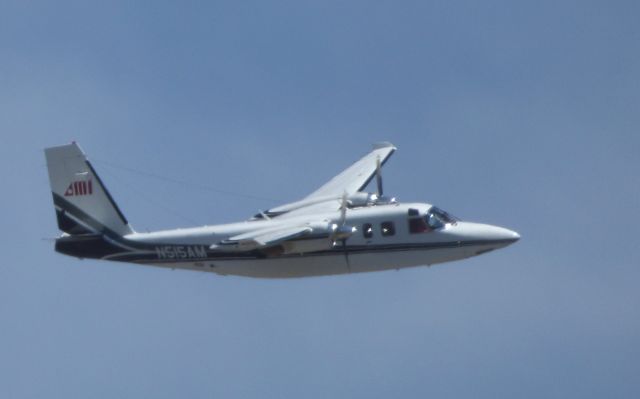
point(337, 229)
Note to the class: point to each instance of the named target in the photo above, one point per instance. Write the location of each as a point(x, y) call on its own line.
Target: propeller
point(379, 176)
point(341, 232)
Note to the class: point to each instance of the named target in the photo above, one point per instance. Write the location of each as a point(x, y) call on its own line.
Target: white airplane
point(336, 229)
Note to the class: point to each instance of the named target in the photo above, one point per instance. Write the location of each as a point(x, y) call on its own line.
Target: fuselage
point(391, 236)
point(338, 228)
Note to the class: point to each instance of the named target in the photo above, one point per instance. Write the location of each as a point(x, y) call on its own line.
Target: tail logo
point(78, 188)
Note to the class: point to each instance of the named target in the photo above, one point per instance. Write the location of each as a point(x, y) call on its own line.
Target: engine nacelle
point(361, 199)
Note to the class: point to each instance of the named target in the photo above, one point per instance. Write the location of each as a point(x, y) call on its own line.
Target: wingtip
point(383, 144)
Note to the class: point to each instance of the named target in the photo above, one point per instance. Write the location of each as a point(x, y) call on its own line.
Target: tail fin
point(83, 204)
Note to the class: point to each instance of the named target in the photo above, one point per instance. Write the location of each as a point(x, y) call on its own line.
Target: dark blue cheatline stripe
point(81, 215)
point(112, 240)
point(68, 224)
point(353, 250)
point(92, 246)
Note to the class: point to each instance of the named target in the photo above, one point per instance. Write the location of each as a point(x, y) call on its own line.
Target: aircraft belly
point(298, 266)
point(329, 264)
point(324, 265)
point(402, 259)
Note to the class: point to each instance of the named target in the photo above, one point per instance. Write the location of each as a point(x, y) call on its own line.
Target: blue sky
point(523, 115)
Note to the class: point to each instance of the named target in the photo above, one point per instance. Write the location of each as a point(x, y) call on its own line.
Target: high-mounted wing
point(356, 177)
point(291, 237)
point(350, 181)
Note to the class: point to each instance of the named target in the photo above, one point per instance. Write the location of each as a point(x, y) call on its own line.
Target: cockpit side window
point(417, 223)
point(436, 218)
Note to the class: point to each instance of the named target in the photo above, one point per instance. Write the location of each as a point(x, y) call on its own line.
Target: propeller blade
point(346, 253)
point(379, 176)
point(341, 231)
point(343, 209)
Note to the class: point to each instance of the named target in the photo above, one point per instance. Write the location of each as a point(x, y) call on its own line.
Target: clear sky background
point(520, 114)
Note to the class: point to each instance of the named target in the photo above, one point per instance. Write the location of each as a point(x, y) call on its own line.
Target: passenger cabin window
point(367, 230)
point(388, 229)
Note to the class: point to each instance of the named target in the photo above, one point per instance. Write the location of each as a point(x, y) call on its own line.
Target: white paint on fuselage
point(462, 239)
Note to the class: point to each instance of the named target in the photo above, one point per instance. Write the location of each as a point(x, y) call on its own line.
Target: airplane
point(337, 229)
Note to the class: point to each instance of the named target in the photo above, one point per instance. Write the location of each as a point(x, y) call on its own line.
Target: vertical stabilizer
point(83, 204)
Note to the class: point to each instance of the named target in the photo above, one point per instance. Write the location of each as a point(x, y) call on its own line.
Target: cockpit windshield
point(437, 218)
point(434, 219)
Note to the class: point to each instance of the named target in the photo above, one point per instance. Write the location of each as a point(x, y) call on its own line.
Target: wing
point(262, 238)
point(350, 181)
point(356, 177)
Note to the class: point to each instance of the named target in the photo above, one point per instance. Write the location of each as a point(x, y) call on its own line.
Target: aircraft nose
point(501, 234)
point(483, 234)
